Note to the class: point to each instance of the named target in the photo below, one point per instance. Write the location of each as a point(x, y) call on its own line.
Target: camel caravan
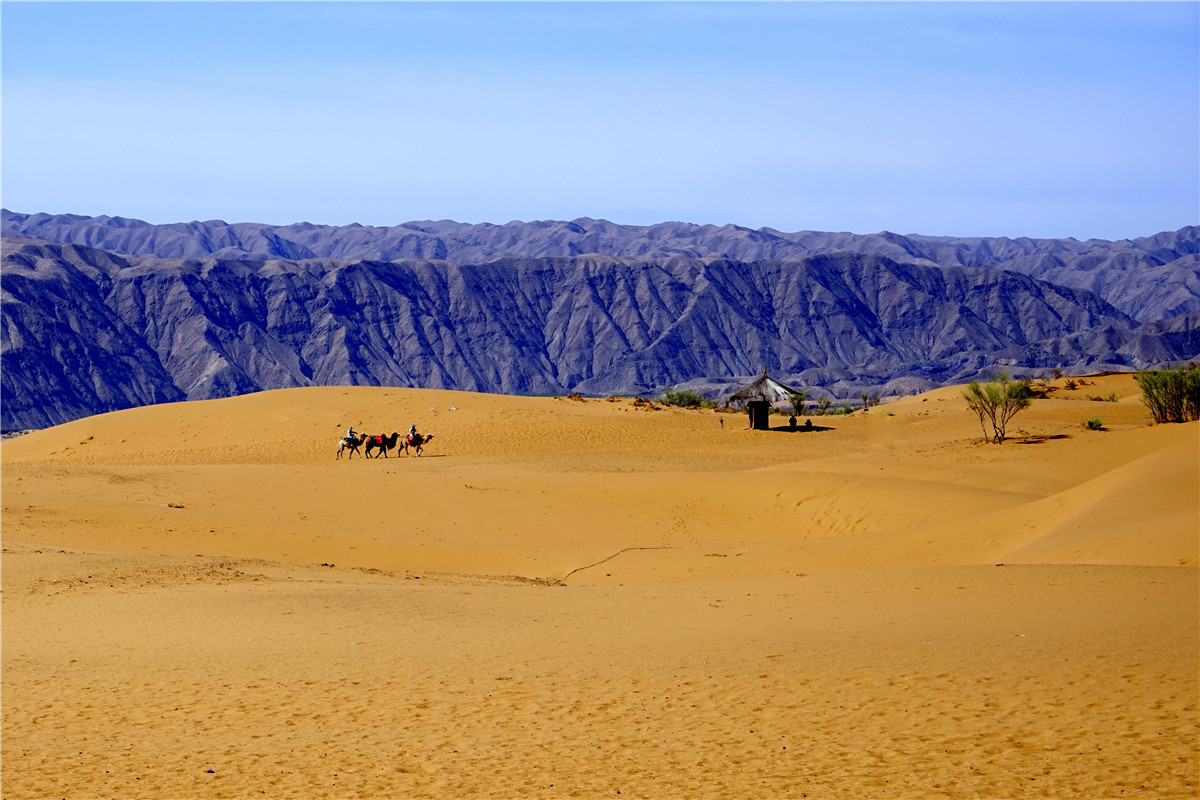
point(372, 446)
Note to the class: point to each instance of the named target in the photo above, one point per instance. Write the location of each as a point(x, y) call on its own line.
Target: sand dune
point(569, 598)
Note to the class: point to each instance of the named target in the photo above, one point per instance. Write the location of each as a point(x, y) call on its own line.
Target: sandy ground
point(588, 599)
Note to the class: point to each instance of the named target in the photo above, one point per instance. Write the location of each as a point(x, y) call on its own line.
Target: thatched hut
point(759, 396)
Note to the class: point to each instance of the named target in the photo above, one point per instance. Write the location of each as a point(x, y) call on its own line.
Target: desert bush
point(684, 398)
point(1094, 424)
point(1172, 395)
point(996, 402)
point(1070, 384)
point(1040, 390)
point(823, 405)
point(869, 400)
point(1046, 380)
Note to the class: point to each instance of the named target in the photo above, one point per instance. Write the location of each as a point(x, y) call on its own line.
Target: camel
point(351, 443)
point(381, 442)
point(416, 442)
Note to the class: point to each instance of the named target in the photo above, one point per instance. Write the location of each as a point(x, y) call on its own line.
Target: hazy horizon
point(397, 223)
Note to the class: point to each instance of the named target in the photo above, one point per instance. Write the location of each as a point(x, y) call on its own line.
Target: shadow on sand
point(800, 429)
point(1036, 438)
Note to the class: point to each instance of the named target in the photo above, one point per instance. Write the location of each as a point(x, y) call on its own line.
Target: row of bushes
point(686, 398)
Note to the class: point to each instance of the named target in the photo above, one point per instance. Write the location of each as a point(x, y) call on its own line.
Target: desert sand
point(586, 598)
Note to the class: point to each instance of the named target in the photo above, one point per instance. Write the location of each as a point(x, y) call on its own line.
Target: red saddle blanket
point(377, 439)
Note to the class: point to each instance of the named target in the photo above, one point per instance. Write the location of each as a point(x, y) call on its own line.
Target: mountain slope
point(64, 353)
point(1149, 278)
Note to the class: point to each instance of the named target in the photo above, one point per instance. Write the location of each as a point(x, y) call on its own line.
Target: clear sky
point(961, 119)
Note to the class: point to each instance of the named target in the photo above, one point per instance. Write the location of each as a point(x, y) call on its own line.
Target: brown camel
point(381, 442)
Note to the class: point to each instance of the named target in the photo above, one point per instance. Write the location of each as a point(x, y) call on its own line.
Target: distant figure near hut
point(759, 396)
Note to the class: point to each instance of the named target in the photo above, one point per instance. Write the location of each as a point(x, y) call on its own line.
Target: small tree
point(997, 402)
point(823, 405)
point(798, 399)
point(1172, 395)
point(869, 400)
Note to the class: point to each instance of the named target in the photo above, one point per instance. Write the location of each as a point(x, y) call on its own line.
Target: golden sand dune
point(567, 598)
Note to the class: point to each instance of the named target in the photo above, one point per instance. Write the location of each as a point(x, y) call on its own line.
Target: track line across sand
point(610, 558)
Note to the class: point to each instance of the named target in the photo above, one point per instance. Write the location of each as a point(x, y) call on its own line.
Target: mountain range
point(102, 313)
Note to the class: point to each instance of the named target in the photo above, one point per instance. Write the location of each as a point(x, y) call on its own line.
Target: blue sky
point(961, 119)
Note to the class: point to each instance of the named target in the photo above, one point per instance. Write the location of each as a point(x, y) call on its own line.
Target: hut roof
point(765, 388)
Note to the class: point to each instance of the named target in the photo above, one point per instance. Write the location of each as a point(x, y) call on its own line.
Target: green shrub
point(996, 402)
point(685, 398)
point(1172, 395)
point(823, 405)
point(1094, 424)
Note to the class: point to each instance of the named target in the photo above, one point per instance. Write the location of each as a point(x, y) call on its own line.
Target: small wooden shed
point(759, 396)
